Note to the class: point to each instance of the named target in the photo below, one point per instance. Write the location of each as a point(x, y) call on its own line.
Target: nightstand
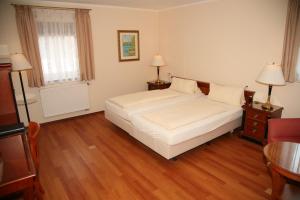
point(256, 121)
point(152, 85)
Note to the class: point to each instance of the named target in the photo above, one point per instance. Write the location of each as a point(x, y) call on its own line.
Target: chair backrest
point(33, 132)
point(284, 130)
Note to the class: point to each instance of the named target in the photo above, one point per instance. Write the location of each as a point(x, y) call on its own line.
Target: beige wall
point(227, 41)
point(112, 77)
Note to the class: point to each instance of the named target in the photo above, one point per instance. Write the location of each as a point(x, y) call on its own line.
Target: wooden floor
point(90, 158)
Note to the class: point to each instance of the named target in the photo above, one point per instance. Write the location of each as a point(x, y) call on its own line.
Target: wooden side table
point(153, 85)
point(256, 121)
point(17, 166)
point(284, 161)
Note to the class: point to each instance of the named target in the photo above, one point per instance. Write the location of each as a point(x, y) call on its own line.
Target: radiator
point(64, 98)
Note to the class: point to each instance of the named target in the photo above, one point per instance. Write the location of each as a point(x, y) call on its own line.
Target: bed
point(175, 125)
point(180, 133)
point(119, 109)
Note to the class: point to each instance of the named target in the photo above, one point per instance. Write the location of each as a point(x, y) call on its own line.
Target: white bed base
point(166, 150)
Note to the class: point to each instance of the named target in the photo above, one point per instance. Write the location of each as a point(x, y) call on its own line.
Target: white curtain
point(58, 44)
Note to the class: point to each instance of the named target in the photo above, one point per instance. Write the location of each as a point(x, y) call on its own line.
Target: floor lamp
point(19, 64)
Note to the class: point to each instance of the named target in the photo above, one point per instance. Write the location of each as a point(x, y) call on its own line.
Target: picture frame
point(128, 45)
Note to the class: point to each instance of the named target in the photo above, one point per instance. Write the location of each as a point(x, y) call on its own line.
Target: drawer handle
point(255, 123)
point(256, 115)
point(254, 130)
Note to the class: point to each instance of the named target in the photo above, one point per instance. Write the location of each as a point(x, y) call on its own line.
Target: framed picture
point(129, 47)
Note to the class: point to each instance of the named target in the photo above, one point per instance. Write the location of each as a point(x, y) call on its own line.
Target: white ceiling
point(145, 4)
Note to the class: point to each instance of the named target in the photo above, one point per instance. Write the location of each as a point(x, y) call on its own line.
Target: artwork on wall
point(129, 47)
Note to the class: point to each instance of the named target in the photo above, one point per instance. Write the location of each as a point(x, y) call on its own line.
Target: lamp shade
point(271, 75)
point(4, 53)
point(19, 62)
point(158, 61)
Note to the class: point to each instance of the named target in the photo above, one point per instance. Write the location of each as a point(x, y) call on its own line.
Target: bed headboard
point(204, 87)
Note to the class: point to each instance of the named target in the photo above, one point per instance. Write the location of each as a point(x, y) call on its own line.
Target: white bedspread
point(183, 114)
point(133, 99)
point(188, 131)
point(125, 113)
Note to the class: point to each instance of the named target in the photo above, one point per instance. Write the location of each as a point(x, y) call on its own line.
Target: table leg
point(28, 193)
point(278, 183)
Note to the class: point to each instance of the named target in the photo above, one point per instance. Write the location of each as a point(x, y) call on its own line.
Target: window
point(58, 44)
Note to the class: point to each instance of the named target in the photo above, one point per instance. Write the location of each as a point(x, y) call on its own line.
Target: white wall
point(112, 77)
point(228, 41)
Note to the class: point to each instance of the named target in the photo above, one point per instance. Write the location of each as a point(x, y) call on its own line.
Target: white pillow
point(226, 94)
point(184, 85)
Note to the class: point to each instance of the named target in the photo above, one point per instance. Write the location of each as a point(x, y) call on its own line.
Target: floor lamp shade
point(271, 75)
point(19, 64)
point(4, 53)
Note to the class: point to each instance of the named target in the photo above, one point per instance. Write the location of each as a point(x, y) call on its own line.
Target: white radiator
point(65, 98)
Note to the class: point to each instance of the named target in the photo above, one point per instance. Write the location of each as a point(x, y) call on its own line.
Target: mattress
point(189, 131)
point(127, 112)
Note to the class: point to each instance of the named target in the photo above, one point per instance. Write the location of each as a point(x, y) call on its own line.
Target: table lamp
point(158, 62)
point(271, 75)
point(19, 64)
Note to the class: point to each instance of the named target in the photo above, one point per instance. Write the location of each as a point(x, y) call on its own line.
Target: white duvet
point(185, 113)
point(137, 98)
point(188, 128)
point(127, 112)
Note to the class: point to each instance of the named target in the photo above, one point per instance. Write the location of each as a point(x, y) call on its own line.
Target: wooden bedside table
point(152, 85)
point(256, 121)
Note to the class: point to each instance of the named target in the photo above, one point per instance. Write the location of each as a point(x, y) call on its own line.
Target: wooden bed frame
point(171, 151)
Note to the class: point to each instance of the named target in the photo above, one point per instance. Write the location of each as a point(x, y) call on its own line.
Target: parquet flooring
point(90, 158)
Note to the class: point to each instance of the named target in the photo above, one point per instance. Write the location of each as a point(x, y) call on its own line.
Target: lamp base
point(267, 106)
point(158, 81)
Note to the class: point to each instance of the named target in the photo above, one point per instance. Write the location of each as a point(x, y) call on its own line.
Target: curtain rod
point(49, 7)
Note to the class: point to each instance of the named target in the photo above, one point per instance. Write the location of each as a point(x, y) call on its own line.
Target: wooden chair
point(33, 132)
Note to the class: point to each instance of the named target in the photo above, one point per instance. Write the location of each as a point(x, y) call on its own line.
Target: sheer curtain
point(58, 44)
